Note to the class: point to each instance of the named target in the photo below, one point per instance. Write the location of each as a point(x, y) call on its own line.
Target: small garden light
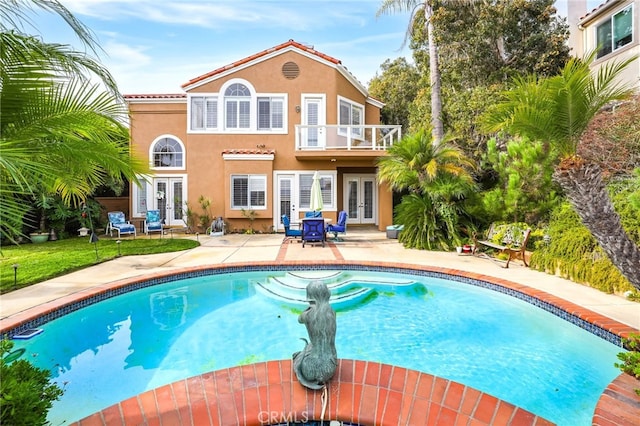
point(15, 275)
point(118, 242)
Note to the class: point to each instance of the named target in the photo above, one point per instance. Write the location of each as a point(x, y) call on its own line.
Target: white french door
point(287, 199)
point(169, 198)
point(360, 198)
point(314, 115)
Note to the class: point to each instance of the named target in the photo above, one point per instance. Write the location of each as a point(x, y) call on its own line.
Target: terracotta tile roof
point(290, 43)
point(157, 96)
point(249, 151)
point(597, 9)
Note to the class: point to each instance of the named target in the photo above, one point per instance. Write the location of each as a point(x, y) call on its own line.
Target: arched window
point(237, 104)
point(167, 152)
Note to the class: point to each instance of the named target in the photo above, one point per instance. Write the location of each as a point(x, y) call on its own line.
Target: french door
point(169, 198)
point(361, 198)
point(287, 199)
point(314, 115)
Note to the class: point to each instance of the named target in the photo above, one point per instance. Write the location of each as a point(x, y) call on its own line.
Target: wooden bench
point(513, 242)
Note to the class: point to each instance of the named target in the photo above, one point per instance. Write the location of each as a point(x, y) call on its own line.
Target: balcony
point(366, 138)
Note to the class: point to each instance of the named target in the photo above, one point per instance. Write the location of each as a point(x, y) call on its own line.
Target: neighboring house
point(612, 28)
point(250, 136)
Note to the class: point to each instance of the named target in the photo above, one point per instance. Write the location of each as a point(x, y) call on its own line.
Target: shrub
point(26, 392)
point(631, 360)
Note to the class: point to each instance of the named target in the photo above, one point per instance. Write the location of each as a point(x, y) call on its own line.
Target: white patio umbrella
point(316, 203)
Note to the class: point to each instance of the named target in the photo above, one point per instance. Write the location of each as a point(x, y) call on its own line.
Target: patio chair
point(153, 222)
point(313, 213)
point(118, 223)
point(288, 232)
point(340, 227)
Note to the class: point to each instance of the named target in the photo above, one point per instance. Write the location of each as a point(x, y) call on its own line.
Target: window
point(140, 198)
point(304, 185)
point(351, 115)
point(270, 113)
point(167, 152)
point(237, 100)
point(249, 192)
point(615, 32)
point(204, 112)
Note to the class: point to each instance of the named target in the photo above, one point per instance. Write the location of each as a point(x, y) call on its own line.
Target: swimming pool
point(156, 335)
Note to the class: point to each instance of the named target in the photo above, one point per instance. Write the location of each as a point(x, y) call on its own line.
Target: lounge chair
point(153, 222)
point(288, 232)
point(118, 223)
point(340, 227)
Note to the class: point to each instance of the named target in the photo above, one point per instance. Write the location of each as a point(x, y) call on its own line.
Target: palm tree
point(412, 6)
point(438, 181)
point(557, 111)
point(59, 134)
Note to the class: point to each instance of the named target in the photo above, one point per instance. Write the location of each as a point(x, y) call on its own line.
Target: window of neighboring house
point(351, 114)
point(204, 112)
point(237, 101)
point(167, 152)
point(615, 32)
point(304, 185)
point(249, 192)
point(270, 113)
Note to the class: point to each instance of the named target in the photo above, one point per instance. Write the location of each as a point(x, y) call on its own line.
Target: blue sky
point(155, 46)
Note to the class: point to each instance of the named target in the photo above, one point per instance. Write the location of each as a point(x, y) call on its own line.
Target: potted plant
point(42, 202)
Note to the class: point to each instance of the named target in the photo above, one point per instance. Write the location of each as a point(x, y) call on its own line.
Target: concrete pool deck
point(359, 246)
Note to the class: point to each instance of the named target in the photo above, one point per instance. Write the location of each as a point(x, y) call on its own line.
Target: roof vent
point(290, 70)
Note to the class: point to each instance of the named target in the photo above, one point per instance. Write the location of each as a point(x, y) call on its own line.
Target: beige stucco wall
point(209, 174)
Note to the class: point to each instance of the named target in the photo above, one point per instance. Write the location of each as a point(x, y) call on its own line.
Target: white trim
point(248, 157)
point(184, 153)
point(156, 100)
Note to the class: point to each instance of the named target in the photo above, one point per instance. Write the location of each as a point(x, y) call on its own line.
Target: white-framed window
point(167, 152)
point(237, 106)
point(350, 114)
point(140, 196)
point(615, 32)
point(249, 192)
point(204, 112)
point(327, 185)
point(270, 112)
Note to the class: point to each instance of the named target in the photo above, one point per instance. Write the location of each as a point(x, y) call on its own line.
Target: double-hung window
point(351, 114)
point(615, 32)
point(204, 112)
point(249, 192)
point(237, 105)
point(270, 113)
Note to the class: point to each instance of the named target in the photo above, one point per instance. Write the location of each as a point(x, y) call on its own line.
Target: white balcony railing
point(338, 137)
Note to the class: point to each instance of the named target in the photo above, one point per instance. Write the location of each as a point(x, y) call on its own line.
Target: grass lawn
point(40, 262)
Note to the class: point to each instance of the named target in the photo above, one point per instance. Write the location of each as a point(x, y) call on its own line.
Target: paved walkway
point(359, 245)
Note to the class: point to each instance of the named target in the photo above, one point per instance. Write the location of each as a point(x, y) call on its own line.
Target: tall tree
point(59, 133)
point(396, 86)
point(388, 6)
point(557, 111)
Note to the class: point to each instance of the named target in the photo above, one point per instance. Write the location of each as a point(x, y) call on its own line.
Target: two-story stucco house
point(612, 29)
point(250, 136)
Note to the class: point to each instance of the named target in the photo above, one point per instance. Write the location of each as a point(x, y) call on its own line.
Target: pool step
point(346, 289)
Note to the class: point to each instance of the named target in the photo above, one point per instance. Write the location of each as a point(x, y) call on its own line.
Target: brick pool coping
point(616, 404)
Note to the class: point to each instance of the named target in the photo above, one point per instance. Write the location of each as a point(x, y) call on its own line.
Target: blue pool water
point(131, 343)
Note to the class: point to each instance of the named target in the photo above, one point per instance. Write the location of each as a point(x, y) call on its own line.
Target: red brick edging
point(361, 392)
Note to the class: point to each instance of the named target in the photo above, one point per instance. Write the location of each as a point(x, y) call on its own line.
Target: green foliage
point(26, 392)
point(574, 253)
point(397, 87)
point(630, 360)
point(39, 262)
point(432, 224)
point(625, 196)
point(525, 190)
